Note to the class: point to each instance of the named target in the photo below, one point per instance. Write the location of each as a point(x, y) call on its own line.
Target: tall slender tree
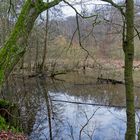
point(42, 65)
point(128, 72)
point(128, 48)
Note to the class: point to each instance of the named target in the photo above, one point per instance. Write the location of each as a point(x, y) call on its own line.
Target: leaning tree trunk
point(15, 46)
point(128, 72)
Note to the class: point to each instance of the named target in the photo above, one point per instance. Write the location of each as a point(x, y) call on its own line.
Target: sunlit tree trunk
point(15, 46)
point(128, 72)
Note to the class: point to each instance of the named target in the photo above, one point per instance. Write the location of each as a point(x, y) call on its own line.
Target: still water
point(79, 121)
point(70, 109)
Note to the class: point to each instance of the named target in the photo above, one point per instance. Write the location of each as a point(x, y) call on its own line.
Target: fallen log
point(101, 80)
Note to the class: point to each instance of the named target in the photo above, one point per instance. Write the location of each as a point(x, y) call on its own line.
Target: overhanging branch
point(48, 5)
point(116, 6)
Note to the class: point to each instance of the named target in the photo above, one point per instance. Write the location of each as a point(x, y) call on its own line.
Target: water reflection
point(57, 110)
point(83, 122)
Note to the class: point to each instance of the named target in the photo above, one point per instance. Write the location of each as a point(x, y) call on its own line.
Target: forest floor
point(7, 135)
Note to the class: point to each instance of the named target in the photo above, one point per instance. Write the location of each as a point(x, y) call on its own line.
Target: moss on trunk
point(15, 46)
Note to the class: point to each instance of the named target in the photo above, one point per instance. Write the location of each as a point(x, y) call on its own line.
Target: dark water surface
point(74, 109)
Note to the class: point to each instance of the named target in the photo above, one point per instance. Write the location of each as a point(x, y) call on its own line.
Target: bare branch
point(78, 12)
point(116, 6)
point(48, 5)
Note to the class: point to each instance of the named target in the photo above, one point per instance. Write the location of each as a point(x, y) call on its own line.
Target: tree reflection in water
point(56, 110)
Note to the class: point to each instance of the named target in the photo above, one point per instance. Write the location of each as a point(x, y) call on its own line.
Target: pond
point(76, 108)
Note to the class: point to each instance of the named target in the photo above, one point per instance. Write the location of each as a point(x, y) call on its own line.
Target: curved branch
point(116, 6)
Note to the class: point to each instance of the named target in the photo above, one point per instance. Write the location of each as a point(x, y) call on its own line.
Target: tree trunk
point(36, 55)
point(128, 72)
point(45, 42)
point(15, 46)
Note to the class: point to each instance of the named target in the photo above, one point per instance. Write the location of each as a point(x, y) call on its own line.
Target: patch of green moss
point(8, 116)
point(6, 127)
point(4, 103)
point(3, 125)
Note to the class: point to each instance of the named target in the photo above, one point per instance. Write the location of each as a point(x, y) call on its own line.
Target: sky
point(88, 5)
point(68, 11)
